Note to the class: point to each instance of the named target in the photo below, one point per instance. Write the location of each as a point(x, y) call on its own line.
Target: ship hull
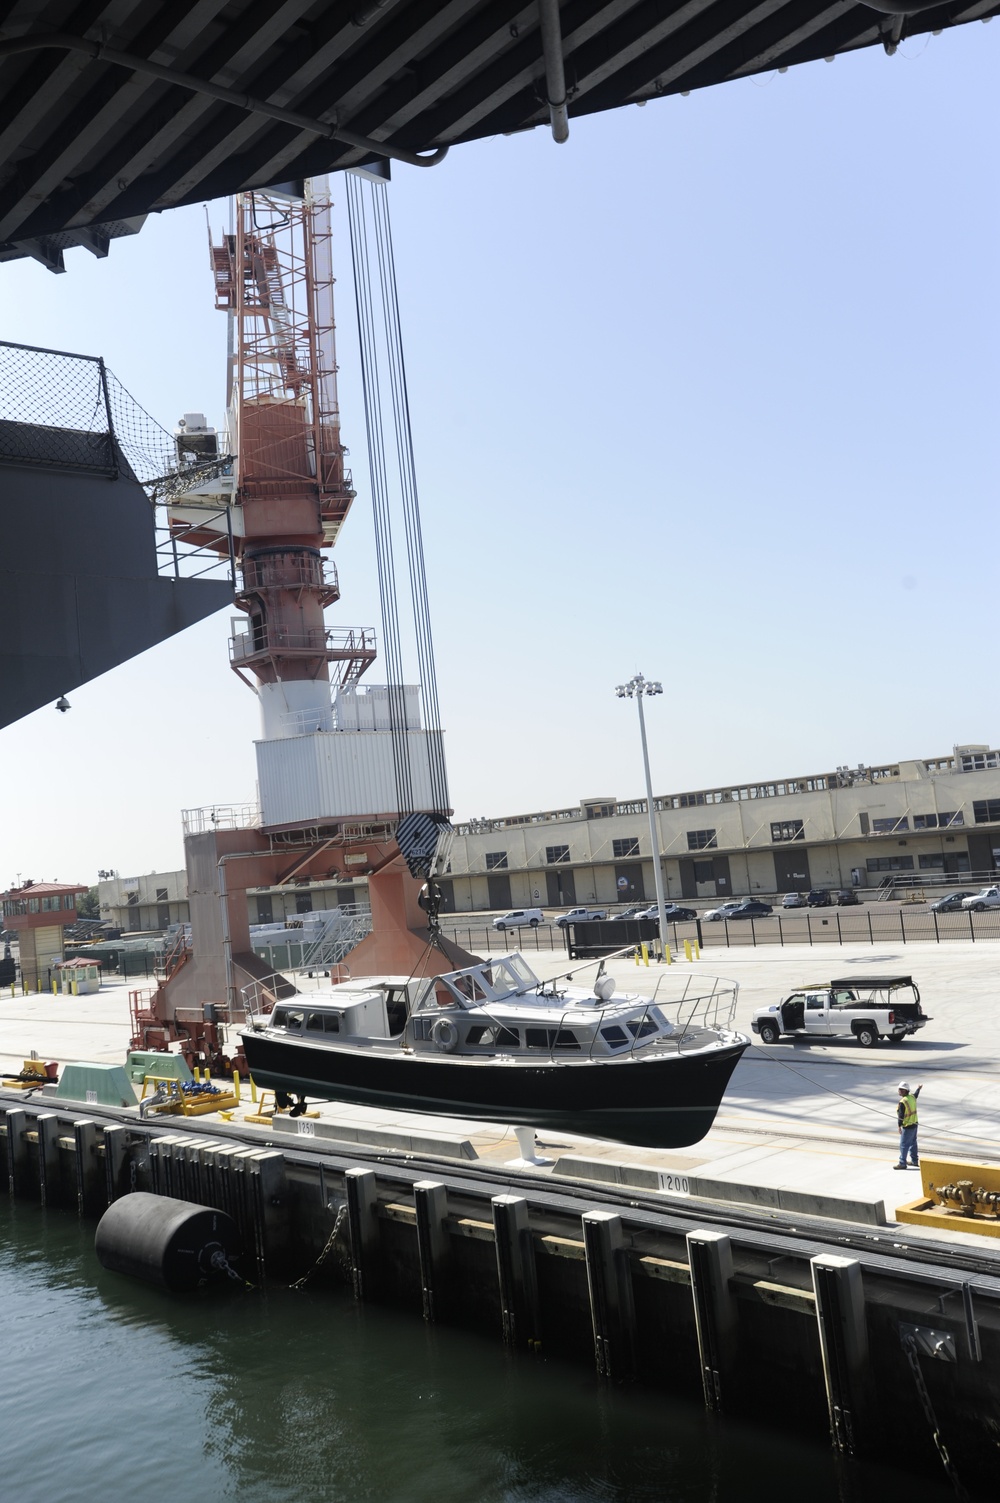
point(651, 1100)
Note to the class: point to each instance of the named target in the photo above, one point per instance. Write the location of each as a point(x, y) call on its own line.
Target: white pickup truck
point(581, 916)
point(868, 1007)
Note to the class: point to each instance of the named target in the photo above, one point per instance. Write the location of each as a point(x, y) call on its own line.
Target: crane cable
point(381, 346)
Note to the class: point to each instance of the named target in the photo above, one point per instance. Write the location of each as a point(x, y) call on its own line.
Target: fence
point(64, 411)
point(869, 925)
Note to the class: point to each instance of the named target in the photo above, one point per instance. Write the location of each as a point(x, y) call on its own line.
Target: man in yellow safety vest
point(906, 1117)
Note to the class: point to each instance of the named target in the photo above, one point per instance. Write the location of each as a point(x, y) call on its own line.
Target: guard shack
point(76, 977)
point(39, 912)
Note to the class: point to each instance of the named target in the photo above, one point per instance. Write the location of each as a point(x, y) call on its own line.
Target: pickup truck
point(868, 1007)
point(581, 916)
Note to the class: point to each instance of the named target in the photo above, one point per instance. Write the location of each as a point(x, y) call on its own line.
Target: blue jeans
point(908, 1145)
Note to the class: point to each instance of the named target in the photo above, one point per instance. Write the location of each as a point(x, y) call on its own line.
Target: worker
point(906, 1117)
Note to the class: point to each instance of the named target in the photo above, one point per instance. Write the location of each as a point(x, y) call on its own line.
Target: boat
point(494, 1043)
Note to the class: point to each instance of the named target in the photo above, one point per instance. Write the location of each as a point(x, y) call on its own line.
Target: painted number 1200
point(675, 1184)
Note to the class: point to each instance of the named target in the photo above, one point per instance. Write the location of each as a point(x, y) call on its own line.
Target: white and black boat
point(493, 1043)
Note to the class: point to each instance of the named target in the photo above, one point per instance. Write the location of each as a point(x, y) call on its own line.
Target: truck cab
point(868, 1008)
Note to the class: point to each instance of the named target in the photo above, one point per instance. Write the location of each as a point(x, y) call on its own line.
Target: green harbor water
point(112, 1391)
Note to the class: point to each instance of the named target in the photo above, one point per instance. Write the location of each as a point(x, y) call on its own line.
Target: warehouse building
point(910, 823)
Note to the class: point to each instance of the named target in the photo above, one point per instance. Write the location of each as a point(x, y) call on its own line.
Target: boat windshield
point(508, 976)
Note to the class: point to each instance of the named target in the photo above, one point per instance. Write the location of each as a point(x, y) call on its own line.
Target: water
point(112, 1390)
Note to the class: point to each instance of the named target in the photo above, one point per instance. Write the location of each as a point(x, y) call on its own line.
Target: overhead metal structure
point(114, 109)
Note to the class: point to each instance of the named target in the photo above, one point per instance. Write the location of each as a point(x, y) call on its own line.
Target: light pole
point(635, 689)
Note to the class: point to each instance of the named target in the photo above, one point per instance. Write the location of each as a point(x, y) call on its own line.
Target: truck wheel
point(979, 907)
point(769, 1033)
point(867, 1036)
point(534, 923)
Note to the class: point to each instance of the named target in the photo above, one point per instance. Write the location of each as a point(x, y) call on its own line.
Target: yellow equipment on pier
point(957, 1197)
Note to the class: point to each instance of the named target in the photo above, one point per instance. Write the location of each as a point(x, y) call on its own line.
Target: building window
point(554, 854)
point(691, 800)
point(32, 905)
point(161, 895)
point(69, 901)
point(930, 863)
point(788, 829)
point(701, 840)
point(627, 847)
point(986, 811)
point(496, 861)
point(890, 863)
point(132, 899)
point(890, 826)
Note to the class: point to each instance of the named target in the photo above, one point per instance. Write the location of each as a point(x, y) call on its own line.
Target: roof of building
point(153, 103)
point(44, 889)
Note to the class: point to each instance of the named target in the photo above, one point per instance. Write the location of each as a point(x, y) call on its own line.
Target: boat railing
point(261, 996)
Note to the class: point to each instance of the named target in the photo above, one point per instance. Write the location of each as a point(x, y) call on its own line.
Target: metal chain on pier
point(341, 1214)
point(219, 1260)
point(913, 1358)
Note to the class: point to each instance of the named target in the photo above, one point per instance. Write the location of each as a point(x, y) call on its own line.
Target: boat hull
point(668, 1100)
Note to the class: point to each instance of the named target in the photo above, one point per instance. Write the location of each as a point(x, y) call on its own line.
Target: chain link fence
point(65, 411)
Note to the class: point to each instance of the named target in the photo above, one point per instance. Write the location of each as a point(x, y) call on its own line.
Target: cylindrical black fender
point(168, 1242)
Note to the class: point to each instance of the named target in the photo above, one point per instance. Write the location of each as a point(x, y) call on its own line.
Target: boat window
point(287, 1018)
point(521, 970)
point(642, 1030)
point(314, 1022)
point(614, 1036)
point(493, 1038)
point(551, 1038)
point(331, 1022)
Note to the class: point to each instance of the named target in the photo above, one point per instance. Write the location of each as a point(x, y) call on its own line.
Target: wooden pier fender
point(710, 1259)
point(843, 1340)
point(430, 1201)
point(609, 1280)
point(91, 1181)
point(515, 1253)
point(116, 1157)
point(361, 1191)
point(17, 1151)
point(48, 1132)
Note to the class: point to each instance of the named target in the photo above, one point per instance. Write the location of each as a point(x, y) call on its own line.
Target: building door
point(448, 897)
point(791, 871)
point(707, 878)
point(629, 884)
point(980, 851)
point(498, 887)
point(560, 887)
point(264, 914)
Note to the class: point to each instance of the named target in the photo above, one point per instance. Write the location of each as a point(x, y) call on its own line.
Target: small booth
point(76, 977)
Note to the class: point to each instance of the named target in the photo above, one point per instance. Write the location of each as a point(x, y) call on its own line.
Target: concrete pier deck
point(804, 1126)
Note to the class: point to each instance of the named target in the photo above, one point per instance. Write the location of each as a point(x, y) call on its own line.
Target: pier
point(762, 1269)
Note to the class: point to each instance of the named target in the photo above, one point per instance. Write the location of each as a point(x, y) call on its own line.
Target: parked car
point(793, 900)
point(819, 898)
point(989, 897)
point(675, 914)
point(519, 918)
point(951, 901)
point(581, 916)
point(638, 910)
point(750, 908)
point(846, 897)
point(722, 912)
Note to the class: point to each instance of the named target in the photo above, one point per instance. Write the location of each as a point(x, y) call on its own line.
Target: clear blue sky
point(708, 392)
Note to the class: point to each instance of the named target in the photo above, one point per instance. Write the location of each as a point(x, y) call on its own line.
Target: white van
point(519, 918)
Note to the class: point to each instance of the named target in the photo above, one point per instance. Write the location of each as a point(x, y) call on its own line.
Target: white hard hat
point(904, 1085)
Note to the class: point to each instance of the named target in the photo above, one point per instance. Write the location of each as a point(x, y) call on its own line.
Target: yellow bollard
point(236, 1086)
point(645, 953)
point(55, 988)
point(667, 955)
point(253, 1090)
point(635, 955)
point(697, 950)
point(687, 949)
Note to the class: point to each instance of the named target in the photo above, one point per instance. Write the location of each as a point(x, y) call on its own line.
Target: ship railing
point(220, 817)
point(261, 996)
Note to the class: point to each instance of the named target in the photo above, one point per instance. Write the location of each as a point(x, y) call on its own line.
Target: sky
point(708, 392)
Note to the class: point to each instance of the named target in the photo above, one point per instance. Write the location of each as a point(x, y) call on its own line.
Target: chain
point(300, 1283)
point(133, 1170)
point(913, 1358)
point(219, 1260)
